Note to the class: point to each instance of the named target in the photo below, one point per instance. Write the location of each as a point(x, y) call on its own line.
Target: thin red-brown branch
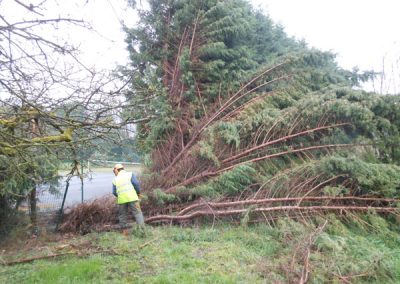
point(227, 104)
point(218, 172)
point(270, 209)
point(284, 199)
point(285, 138)
point(291, 151)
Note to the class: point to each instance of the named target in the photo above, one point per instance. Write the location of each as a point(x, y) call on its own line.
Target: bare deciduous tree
point(51, 104)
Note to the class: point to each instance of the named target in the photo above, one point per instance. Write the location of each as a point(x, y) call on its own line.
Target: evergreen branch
point(175, 76)
point(271, 156)
point(291, 151)
point(317, 186)
point(206, 213)
point(285, 200)
point(224, 108)
point(243, 106)
point(238, 95)
point(193, 35)
point(305, 273)
point(285, 138)
point(212, 119)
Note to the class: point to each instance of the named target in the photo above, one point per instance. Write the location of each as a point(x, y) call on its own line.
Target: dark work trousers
point(123, 213)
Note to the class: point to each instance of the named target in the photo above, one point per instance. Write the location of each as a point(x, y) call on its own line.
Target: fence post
point(62, 205)
point(33, 211)
point(81, 182)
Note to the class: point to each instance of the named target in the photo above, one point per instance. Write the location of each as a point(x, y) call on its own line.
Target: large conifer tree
point(231, 102)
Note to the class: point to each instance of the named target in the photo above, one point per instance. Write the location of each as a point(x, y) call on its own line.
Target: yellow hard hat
point(118, 166)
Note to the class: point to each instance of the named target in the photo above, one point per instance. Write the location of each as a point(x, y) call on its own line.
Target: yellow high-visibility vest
point(125, 190)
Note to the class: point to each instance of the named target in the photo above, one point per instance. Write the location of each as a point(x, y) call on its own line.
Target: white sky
point(106, 47)
point(361, 32)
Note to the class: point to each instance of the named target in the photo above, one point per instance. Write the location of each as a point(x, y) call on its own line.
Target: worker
point(126, 189)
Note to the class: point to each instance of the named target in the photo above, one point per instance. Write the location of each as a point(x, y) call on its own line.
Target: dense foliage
point(235, 105)
point(51, 105)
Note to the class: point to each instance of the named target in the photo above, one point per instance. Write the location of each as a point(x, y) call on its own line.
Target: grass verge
point(354, 253)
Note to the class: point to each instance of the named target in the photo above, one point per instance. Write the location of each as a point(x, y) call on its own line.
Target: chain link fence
point(52, 201)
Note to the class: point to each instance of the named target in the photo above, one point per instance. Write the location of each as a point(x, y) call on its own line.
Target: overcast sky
point(361, 32)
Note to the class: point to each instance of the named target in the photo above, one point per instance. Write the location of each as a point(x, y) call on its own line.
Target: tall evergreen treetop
point(225, 90)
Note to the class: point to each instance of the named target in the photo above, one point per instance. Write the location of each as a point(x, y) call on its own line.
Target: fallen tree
point(283, 209)
point(244, 116)
point(101, 214)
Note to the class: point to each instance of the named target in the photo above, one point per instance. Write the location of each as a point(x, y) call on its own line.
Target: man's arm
point(114, 190)
point(135, 183)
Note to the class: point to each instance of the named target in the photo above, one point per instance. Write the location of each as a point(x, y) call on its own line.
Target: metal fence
point(51, 202)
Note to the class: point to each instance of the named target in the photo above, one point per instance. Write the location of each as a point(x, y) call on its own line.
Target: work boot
point(139, 218)
point(140, 228)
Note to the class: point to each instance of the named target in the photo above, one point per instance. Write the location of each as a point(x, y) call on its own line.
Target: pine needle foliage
point(240, 110)
point(229, 184)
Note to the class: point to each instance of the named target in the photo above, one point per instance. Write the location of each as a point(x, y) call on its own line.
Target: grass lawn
point(220, 254)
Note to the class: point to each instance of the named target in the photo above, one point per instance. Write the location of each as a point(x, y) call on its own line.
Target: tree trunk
point(33, 210)
point(32, 195)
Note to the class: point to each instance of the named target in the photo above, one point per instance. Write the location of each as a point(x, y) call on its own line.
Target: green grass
point(223, 254)
point(69, 271)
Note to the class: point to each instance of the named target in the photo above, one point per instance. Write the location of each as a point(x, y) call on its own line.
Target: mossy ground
point(219, 254)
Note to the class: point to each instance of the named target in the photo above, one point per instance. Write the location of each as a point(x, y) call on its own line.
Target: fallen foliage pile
point(101, 214)
point(267, 210)
point(86, 217)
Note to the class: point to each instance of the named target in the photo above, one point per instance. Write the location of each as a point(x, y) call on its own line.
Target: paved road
point(95, 186)
point(98, 185)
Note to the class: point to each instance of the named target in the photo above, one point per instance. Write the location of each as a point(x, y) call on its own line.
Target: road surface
point(95, 186)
